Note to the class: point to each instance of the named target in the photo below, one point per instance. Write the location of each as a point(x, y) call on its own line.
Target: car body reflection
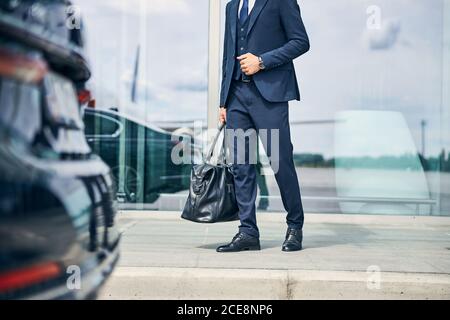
point(139, 155)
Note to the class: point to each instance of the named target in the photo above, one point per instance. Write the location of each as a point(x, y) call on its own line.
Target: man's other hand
point(249, 64)
point(223, 115)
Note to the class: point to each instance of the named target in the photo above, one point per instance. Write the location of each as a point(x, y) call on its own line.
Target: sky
point(396, 67)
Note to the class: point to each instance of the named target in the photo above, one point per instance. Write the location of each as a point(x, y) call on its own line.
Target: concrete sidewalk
point(345, 257)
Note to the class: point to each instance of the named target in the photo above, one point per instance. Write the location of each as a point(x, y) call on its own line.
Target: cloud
point(192, 78)
point(192, 86)
point(384, 38)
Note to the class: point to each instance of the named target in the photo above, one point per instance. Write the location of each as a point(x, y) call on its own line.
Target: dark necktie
point(244, 12)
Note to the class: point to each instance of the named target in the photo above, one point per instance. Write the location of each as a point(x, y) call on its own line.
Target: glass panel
point(372, 164)
point(371, 134)
point(374, 83)
point(149, 63)
point(444, 196)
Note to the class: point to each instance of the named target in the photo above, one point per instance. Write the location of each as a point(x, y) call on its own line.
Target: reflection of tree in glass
point(438, 163)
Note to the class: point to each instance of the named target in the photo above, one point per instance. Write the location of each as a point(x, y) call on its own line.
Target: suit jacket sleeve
point(225, 56)
point(298, 41)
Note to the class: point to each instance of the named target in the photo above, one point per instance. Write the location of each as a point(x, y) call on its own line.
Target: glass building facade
point(371, 134)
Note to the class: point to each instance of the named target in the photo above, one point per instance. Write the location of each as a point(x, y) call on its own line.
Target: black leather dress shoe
point(241, 242)
point(293, 242)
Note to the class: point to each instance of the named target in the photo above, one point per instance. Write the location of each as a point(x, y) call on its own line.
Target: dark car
point(58, 238)
point(139, 155)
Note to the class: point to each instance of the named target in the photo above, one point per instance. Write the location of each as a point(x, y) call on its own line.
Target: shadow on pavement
point(264, 245)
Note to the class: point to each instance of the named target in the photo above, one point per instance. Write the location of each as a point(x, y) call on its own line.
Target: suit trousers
point(248, 111)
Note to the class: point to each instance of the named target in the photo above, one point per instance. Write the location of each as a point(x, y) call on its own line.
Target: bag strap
point(222, 159)
point(214, 143)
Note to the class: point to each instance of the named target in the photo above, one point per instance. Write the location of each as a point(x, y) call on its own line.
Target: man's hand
point(249, 64)
point(223, 115)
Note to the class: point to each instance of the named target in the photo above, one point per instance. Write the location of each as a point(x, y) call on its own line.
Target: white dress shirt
point(251, 4)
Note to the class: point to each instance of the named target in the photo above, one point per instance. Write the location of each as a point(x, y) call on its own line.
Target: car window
point(89, 123)
point(109, 126)
point(101, 125)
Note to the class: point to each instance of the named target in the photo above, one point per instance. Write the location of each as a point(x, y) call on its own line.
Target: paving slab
point(344, 256)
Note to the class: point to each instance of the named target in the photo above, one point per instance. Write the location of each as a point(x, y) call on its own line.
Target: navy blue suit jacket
point(276, 33)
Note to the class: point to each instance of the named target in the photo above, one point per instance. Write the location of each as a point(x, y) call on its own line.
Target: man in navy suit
point(262, 38)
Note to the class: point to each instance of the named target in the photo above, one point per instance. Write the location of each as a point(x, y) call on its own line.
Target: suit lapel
point(259, 5)
point(233, 19)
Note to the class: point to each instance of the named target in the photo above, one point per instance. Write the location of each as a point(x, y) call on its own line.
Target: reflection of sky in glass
point(341, 72)
point(174, 44)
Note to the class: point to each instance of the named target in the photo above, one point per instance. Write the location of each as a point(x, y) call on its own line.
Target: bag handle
point(214, 143)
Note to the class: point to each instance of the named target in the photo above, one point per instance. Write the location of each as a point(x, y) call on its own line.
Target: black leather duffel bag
point(212, 197)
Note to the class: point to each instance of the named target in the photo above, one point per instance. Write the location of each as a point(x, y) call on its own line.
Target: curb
point(258, 284)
